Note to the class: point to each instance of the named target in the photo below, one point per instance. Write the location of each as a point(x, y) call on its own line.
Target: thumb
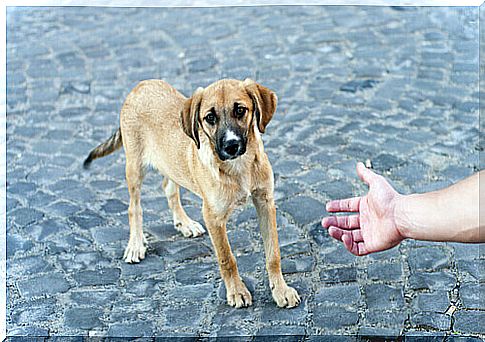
point(365, 174)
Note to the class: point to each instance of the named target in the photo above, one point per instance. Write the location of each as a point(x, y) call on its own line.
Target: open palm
point(374, 228)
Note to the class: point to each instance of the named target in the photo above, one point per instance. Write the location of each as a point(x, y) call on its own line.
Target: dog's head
point(225, 112)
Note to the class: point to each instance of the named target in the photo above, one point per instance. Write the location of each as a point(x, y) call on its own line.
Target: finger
point(346, 205)
point(354, 247)
point(338, 233)
point(365, 174)
point(345, 222)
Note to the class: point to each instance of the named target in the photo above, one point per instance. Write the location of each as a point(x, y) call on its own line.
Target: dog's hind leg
point(135, 251)
point(181, 221)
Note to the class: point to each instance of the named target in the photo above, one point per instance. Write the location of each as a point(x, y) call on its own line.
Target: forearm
point(451, 214)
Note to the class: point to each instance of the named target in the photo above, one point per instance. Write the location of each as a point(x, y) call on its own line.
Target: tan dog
point(211, 145)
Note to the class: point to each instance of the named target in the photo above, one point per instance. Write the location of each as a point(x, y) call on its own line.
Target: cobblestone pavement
point(397, 86)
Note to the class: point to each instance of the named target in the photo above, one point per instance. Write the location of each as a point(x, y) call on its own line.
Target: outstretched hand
point(373, 228)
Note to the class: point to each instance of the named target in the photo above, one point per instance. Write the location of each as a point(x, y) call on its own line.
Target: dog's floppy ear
point(189, 117)
point(264, 101)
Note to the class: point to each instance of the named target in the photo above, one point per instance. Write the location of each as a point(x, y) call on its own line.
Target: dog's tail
point(109, 146)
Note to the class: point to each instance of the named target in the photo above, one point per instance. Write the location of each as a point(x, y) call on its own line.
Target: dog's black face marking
point(230, 142)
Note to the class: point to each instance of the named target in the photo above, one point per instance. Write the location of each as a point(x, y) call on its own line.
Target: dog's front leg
point(237, 293)
point(284, 295)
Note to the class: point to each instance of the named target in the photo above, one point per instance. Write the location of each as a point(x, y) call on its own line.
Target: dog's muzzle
point(231, 146)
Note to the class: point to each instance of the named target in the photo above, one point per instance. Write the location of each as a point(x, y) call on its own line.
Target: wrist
point(404, 224)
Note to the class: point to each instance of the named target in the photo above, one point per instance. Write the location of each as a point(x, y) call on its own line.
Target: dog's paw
point(239, 296)
point(190, 229)
point(286, 297)
point(135, 251)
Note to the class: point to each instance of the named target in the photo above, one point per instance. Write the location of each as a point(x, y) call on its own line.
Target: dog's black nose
point(231, 148)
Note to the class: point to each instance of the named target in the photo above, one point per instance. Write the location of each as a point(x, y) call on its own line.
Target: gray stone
point(82, 318)
point(49, 284)
point(151, 265)
point(26, 216)
point(105, 276)
point(181, 250)
point(346, 294)
point(195, 273)
point(338, 275)
point(304, 209)
point(98, 298)
point(428, 258)
point(385, 318)
point(298, 265)
point(436, 301)
point(329, 317)
point(132, 329)
point(469, 322)
point(472, 295)
point(389, 272)
point(431, 320)
point(432, 281)
point(384, 296)
point(114, 206)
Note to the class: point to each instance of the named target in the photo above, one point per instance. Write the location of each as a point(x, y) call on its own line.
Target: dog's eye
point(211, 118)
point(240, 111)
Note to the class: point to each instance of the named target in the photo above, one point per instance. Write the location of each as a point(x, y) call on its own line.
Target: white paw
point(286, 297)
point(135, 251)
point(190, 229)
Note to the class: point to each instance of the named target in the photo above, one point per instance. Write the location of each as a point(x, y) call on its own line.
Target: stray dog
point(211, 145)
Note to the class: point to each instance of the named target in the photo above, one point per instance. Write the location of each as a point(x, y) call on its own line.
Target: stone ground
point(397, 86)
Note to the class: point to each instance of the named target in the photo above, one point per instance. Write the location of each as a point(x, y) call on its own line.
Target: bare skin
point(385, 218)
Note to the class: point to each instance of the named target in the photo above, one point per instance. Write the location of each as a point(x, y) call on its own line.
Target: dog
point(211, 145)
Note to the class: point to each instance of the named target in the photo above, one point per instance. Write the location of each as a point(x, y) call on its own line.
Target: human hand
point(374, 228)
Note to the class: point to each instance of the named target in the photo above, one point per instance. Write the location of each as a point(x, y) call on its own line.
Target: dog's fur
point(159, 127)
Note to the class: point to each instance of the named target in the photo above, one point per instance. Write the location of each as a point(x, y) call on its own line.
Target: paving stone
point(272, 313)
point(30, 265)
point(432, 281)
point(82, 318)
point(431, 319)
point(132, 329)
point(106, 235)
point(436, 301)
point(195, 273)
point(330, 317)
point(87, 219)
point(284, 333)
point(181, 250)
point(384, 296)
point(98, 298)
point(469, 322)
point(472, 295)
point(338, 275)
point(346, 295)
point(26, 216)
point(427, 258)
point(151, 265)
point(49, 284)
point(16, 243)
point(98, 277)
point(114, 206)
point(303, 209)
point(389, 272)
point(298, 265)
point(385, 318)
point(472, 269)
point(39, 310)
